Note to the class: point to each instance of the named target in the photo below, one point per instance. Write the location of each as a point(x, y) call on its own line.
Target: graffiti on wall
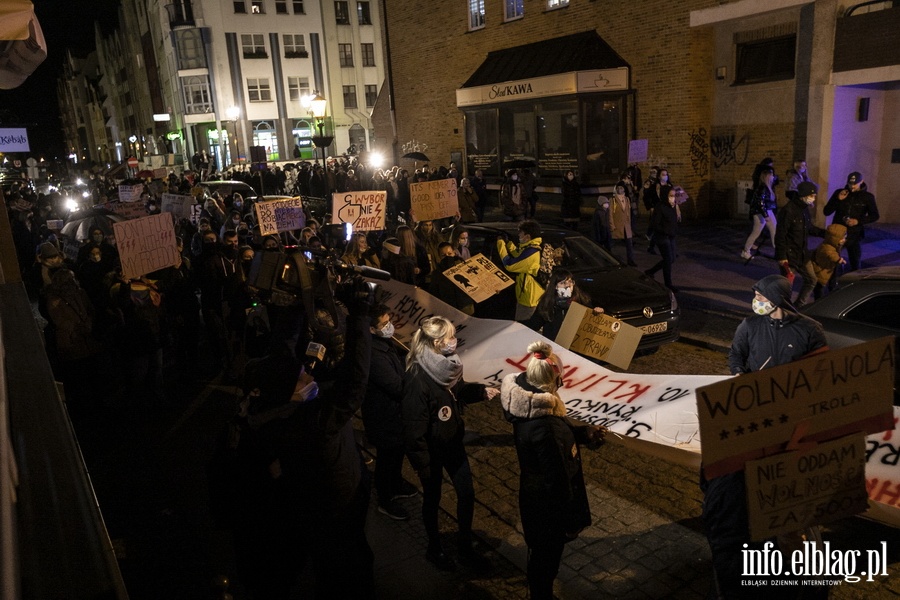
point(726, 149)
point(699, 152)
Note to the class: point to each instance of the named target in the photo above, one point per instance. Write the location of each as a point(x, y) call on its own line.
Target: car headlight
point(673, 300)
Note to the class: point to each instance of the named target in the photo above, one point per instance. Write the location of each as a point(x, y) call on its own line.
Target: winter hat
point(806, 189)
point(48, 250)
point(854, 177)
point(776, 289)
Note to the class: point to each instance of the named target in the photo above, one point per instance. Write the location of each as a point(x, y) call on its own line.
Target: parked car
point(624, 292)
point(862, 308)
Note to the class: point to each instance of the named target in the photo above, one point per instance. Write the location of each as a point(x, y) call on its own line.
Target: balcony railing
point(181, 14)
point(867, 40)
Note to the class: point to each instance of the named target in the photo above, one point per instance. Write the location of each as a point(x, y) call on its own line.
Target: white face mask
point(564, 292)
point(515, 177)
point(387, 331)
point(762, 307)
point(448, 348)
point(809, 200)
point(664, 178)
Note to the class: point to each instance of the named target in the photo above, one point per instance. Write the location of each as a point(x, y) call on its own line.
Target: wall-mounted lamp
point(721, 73)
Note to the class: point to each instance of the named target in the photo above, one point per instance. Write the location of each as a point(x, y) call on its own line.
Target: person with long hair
point(434, 398)
point(664, 226)
point(553, 499)
point(410, 247)
point(359, 253)
point(554, 304)
point(459, 240)
point(620, 221)
point(762, 210)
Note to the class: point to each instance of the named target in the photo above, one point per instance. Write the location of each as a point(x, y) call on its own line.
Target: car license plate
point(655, 328)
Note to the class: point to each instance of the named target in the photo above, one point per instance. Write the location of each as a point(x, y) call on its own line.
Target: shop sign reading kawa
point(604, 80)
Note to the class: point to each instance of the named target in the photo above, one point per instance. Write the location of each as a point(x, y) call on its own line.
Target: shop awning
point(582, 62)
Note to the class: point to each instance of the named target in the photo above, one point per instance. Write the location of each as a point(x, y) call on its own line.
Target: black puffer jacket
point(381, 410)
point(552, 496)
point(793, 231)
point(433, 415)
point(763, 341)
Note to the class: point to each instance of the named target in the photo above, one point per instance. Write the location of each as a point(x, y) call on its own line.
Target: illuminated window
point(476, 14)
point(551, 4)
point(368, 55)
point(515, 9)
point(362, 12)
point(350, 96)
point(256, 7)
point(298, 87)
point(258, 90)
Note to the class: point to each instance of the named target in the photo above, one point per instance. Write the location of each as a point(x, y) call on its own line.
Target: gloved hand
point(786, 271)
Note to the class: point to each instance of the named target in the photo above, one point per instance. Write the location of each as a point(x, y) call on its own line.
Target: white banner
point(660, 409)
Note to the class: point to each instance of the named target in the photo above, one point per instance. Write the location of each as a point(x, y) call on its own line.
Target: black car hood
point(625, 288)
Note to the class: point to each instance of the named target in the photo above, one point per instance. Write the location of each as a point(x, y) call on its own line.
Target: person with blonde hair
point(434, 397)
point(552, 497)
point(410, 246)
point(359, 253)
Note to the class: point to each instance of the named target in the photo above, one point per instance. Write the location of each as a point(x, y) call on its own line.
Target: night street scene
point(520, 299)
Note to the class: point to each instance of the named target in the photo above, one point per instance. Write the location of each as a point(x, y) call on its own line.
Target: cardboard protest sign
point(146, 244)
point(160, 173)
point(817, 398)
point(478, 277)
point(637, 151)
point(275, 216)
point(129, 210)
point(130, 193)
point(196, 213)
point(178, 205)
point(70, 249)
point(432, 200)
point(55, 224)
point(598, 336)
point(798, 489)
point(364, 210)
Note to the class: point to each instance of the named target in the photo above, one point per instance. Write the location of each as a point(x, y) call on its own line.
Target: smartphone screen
point(348, 229)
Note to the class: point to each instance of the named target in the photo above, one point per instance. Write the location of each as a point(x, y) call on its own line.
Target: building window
point(345, 54)
point(256, 7)
point(298, 88)
point(371, 95)
point(298, 7)
point(350, 96)
point(551, 4)
point(264, 135)
point(281, 7)
point(240, 7)
point(476, 14)
point(362, 11)
point(258, 90)
point(759, 61)
point(196, 95)
point(253, 45)
point(294, 46)
point(515, 9)
point(368, 55)
point(341, 13)
point(189, 48)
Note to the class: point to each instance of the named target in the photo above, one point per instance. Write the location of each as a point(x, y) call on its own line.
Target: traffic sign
point(132, 162)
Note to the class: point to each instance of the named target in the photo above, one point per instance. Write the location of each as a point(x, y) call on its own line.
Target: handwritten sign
point(432, 200)
point(178, 205)
point(146, 245)
point(275, 216)
point(196, 213)
point(598, 335)
point(478, 277)
point(817, 398)
point(128, 210)
point(637, 151)
point(796, 490)
point(130, 193)
point(364, 210)
point(160, 173)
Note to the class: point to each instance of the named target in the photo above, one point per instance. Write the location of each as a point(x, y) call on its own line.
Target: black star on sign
point(739, 430)
point(783, 419)
point(724, 435)
point(767, 423)
point(753, 427)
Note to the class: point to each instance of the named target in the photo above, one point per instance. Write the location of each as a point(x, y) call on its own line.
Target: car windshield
point(581, 253)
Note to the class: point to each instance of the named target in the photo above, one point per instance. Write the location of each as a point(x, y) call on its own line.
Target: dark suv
point(624, 292)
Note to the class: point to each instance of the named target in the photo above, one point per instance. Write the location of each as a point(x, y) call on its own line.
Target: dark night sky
point(66, 24)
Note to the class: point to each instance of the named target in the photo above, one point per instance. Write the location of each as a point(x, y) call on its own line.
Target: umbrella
point(79, 224)
point(416, 156)
point(145, 174)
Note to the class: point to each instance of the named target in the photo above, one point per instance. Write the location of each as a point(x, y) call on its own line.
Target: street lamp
point(234, 113)
point(317, 106)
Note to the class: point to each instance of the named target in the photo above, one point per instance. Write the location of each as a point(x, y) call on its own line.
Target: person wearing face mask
point(853, 206)
point(524, 260)
point(774, 335)
point(553, 499)
point(664, 226)
point(570, 207)
point(796, 176)
point(459, 240)
point(791, 240)
point(620, 221)
point(434, 398)
point(97, 239)
point(512, 197)
point(382, 416)
point(763, 205)
point(554, 304)
point(468, 202)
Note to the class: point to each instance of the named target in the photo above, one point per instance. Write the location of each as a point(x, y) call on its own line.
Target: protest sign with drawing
point(817, 398)
point(798, 489)
point(130, 193)
point(275, 216)
point(432, 200)
point(146, 244)
point(364, 210)
point(598, 335)
point(478, 277)
point(178, 205)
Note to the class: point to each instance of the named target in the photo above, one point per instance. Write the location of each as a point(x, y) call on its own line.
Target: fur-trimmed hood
point(522, 403)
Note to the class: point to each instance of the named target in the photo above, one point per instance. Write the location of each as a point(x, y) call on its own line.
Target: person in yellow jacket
point(524, 261)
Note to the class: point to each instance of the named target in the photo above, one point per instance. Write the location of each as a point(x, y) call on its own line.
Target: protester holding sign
point(552, 496)
point(554, 304)
point(775, 335)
